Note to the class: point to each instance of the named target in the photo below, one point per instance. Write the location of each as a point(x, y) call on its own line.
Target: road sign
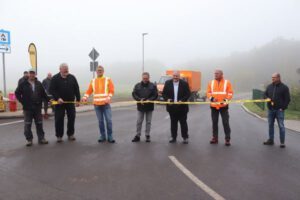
point(5, 48)
point(93, 66)
point(94, 54)
point(4, 37)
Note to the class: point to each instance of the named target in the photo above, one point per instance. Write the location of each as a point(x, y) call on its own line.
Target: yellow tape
point(175, 103)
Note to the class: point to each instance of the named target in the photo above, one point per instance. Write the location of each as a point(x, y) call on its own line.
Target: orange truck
point(193, 78)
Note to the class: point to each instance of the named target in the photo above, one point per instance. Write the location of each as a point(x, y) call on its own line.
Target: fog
point(190, 34)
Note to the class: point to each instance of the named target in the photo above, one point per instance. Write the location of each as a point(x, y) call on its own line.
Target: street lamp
point(143, 35)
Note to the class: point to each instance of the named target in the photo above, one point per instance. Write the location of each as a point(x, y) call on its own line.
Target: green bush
point(295, 99)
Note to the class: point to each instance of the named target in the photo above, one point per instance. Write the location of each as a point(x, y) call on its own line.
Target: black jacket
point(144, 91)
point(28, 98)
point(183, 95)
point(21, 80)
point(279, 95)
point(46, 84)
point(65, 88)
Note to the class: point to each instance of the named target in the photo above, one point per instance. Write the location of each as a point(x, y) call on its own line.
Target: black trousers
point(225, 119)
point(60, 111)
point(46, 106)
point(181, 117)
point(36, 114)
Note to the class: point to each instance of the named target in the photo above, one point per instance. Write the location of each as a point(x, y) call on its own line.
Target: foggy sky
point(179, 31)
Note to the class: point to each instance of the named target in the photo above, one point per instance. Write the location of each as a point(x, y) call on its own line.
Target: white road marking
point(9, 123)
point(198, 182)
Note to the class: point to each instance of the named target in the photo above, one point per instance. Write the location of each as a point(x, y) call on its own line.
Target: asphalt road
point(87, 170)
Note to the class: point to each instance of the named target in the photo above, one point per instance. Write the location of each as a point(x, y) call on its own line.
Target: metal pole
point(143, 53)
point(4, 80)
point(94, 69)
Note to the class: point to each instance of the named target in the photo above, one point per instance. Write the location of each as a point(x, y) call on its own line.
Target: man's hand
point(226, 101)
point(84, 99)
point(60, 101)
point(107, 100)
point(77, 104)
point(142, 101)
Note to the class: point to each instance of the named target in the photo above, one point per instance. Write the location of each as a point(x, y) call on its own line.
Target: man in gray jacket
point(143, 91)
point(46, 84)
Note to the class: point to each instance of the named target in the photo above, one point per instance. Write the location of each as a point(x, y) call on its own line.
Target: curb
point(264, 119)
point(113, 105)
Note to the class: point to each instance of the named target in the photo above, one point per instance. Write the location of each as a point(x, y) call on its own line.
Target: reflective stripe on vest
point(224, 89)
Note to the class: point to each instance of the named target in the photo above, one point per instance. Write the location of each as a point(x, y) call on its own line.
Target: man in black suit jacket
point(177, 90)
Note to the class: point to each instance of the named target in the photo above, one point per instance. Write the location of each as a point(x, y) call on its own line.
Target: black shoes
point(227, 142)
point(173, 140)
point(111, 141)
point(101, 140)
point(148, 138)
point(136, 139)
point(269, 142)
point(214, 140)
point(282, 145)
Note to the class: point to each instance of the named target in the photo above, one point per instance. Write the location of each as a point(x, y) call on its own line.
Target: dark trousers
point(59, 114)
point(36, 114)
point(180, 116)
point(225, 119)
point(46, 105)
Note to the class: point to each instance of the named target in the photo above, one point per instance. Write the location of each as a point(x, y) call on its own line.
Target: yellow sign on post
point(33, 56)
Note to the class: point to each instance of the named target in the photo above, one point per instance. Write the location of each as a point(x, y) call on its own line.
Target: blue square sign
point(4, 37)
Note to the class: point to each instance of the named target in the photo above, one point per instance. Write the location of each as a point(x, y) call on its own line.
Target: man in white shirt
point(177, 90)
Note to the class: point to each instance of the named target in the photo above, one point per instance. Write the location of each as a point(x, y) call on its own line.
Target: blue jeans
point(279, 116)
point(104, 112)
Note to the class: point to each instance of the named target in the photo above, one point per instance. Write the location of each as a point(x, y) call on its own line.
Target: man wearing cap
point(30, 93)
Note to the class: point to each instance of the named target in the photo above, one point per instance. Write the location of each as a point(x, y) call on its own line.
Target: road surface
point(87, 170)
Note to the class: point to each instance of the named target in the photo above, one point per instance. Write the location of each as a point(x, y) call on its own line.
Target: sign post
point(94, 64)
point(4, 48)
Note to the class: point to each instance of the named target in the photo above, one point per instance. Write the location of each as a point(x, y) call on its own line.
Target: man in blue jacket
point(279, 95)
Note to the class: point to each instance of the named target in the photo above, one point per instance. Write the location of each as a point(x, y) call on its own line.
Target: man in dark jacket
point(64, 87)
point(46, 84)
point(24, 77)
point(144, 91)
point(30, 93)
point(279, 95)
point(177, 90)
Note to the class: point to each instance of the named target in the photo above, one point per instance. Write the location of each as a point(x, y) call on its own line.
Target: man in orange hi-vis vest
point(219, 92)
point(102, 89)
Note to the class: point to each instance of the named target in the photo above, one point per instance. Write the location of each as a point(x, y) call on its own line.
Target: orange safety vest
point(219, 90)
point(102, 88)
